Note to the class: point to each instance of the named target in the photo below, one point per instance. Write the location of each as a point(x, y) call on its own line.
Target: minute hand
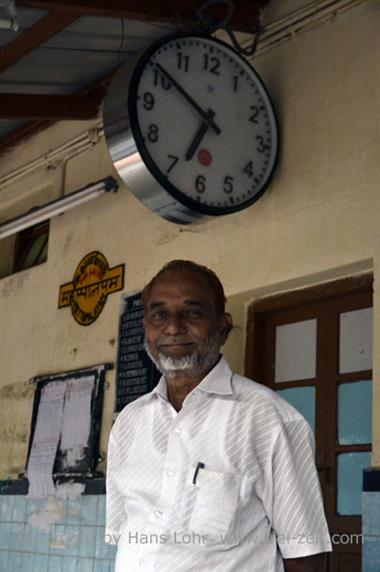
point(205, 116)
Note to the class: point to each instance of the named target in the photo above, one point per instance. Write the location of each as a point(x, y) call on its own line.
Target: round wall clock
point(192, 131)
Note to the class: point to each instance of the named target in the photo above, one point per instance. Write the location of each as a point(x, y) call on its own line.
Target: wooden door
point(314, 347)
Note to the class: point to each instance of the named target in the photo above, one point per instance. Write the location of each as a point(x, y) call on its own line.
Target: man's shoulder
point(263, 399)
point(132, 409)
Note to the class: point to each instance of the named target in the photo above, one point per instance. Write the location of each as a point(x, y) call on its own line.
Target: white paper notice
point(45, 440)
point(77, 413)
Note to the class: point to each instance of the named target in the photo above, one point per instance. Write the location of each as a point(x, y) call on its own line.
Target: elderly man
point(210, 471)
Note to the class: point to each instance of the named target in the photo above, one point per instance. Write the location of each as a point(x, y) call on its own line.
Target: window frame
point(24, 243)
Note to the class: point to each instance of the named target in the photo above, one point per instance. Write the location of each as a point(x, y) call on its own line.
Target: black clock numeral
point(262, 147)
point(211, 64)
point(235, 80)
point(159, 79)
point(183, 61)
point(200, 183)
point(228, 186)
point(148, 99)
point(255, 113)
point(173, 163)
point(249, 169)
point(153, 133)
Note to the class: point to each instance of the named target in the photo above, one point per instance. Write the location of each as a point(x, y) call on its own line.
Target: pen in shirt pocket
point(200, 465)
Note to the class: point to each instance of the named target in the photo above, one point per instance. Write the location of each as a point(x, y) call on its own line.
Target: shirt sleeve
point(115, 511)
point(298, 517)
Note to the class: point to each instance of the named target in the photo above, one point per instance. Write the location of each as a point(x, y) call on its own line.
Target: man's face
point(182, 328)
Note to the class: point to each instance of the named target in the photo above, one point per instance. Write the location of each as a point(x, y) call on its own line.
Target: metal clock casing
point(193, 131)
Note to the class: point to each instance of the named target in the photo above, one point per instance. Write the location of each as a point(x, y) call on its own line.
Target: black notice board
point(136, 374)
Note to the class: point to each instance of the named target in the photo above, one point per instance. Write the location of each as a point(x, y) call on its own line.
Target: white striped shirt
point(256, 501)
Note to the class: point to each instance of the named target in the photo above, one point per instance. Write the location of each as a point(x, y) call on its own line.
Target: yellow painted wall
point(318, 221)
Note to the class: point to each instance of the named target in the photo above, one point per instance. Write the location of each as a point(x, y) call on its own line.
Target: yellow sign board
point(93, 281)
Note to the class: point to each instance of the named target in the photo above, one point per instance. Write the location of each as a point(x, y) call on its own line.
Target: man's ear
point(225, 326)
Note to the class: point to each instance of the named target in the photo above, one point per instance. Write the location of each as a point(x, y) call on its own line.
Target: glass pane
point(355, 413)
point(42, 257)
point(303, 399)
point(350, 481)
point(296, 346)
point(356, 340)
point(35, 247)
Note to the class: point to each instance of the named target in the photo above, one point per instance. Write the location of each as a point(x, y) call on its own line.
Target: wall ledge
point(93, 486)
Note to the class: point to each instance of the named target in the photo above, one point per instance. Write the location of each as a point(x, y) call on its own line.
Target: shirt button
point(159, 513)
point(176, 430)
point(143, 561)
point(169, 473)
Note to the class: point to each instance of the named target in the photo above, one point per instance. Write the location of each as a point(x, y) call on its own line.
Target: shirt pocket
point(217, 501)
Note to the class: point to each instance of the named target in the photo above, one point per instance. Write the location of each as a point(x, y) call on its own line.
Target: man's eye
point(194, 313)
point(158, 315)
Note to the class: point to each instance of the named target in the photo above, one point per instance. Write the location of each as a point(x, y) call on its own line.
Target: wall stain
point(9, 471)
point(13, 436)
point(167, 234)
point(21, 390)
point(67, 243)
point(13, 283)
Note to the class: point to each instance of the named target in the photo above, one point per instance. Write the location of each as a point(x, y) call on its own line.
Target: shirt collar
point(161, 389)
point(218, 381)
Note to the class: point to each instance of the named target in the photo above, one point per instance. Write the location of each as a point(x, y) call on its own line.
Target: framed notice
point(65, 427)
point(136, 373)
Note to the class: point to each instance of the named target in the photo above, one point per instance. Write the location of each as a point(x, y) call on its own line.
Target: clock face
point(203, 123)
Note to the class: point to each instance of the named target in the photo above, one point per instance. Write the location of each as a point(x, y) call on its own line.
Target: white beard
point(193, 364)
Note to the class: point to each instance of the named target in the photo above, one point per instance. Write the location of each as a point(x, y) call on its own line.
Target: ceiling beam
point(16, 137)
point(22, 133)
point(31, 106)
point(32, 37)
point(64, 12)
point(245, 16)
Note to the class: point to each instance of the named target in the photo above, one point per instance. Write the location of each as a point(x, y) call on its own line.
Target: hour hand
point(209, 121)
point(201, 132)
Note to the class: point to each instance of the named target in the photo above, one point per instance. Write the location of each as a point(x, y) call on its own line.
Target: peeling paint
point(73, 513)
point(52, 512)
point(72, 456)
point(60, 539)
point(70, 490)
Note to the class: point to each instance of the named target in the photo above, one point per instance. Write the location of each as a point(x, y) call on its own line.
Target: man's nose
point(175, 324)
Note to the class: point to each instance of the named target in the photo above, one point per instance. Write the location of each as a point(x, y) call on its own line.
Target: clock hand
point(190, 100)
point(198, 137)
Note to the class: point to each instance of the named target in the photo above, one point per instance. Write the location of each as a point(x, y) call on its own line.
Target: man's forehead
point(158, 303)
point(190, 285)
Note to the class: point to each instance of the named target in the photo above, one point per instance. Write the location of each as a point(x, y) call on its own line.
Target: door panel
point(315, 348)
point(346, 561)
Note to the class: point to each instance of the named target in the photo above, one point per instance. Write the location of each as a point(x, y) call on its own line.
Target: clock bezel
point(149, 162)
